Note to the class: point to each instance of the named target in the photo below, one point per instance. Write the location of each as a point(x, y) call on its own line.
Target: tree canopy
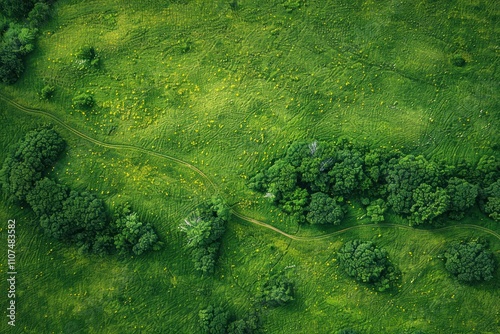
point(314, 180)
point(367, 263)
point(470, 261)
point(204, 229)
point(28, 163)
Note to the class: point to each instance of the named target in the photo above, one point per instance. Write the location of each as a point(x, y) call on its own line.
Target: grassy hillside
point(226, 89)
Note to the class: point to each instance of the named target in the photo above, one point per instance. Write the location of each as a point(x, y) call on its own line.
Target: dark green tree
point(213, 320)
point(134, 236)
point(404, 176)
point(324, 210)
point(428, 204)
point(38, 15)
point(31, 159)
point(367, 263)
point(470, 261)
point(277, 290)
point(11, 66)
point(376, 210)
point(462, 196)
point(490, 202)
point(204, 229)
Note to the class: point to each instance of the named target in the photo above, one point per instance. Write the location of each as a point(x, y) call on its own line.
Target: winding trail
point(40, 112)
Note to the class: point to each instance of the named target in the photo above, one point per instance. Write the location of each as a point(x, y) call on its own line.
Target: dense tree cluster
point(78, 218)
point(470, 261)
point(367, 263)
point(313, 182)
point(35, 154)
point(204, 229)
point(18, 32)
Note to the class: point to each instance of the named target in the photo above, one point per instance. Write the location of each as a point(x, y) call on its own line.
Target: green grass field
point(226, 91)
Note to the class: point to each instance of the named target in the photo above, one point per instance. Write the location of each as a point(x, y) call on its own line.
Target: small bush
point(83, 101)
point(458, 60)
point(47, 92)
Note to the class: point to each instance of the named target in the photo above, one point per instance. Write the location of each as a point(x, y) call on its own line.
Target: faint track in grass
point(241, 216)
point(37, 111)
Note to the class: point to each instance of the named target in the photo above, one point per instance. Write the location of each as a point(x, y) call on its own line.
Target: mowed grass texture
point(226, 91)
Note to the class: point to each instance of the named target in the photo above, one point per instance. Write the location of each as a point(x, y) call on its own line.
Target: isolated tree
point(324, 210)
point(277, 290)
point(470, 261)
point(204, 229)
point(47, 92)
point(87, 58)
point(83, 101)
point(367, 263)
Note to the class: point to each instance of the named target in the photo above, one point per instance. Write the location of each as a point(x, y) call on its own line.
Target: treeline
point(314, 181)
point(73, 217)
point(19, 24)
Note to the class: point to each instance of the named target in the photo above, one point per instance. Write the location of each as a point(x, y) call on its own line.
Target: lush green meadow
point(227, 90)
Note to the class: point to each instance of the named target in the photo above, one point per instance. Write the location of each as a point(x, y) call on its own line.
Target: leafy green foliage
point(39, 14)
point(312, 181)
point(428, 204)
point(134, 236)
point(491, 201)
point(470, 261)
point(203, 230)
point(405, 176)
point(18, 39)
point(376, 210)
point(87, 57)
point(47, 92)
point(213, 320)
point(16, 9)
point(38, 151)
point(83, 101)
point(277, 291)
point(367, 263)
point(462, 196)
point(324, 210)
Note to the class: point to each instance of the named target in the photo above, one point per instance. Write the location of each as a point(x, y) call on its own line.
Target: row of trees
point(312, 182)
point(78, 218)
point(18, 31)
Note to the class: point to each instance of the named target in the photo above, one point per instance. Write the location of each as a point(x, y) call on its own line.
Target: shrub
point(47, 92)
point(83, 101)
